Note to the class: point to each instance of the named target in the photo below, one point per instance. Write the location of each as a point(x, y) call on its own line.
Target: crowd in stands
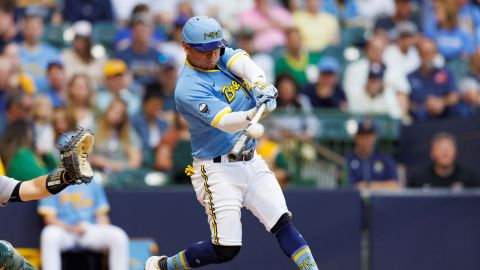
point(111, 66)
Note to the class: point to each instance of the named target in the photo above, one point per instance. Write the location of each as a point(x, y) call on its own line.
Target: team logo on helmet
point(212, 35)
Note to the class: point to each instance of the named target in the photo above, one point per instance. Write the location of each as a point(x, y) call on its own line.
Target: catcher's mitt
point(74, 154)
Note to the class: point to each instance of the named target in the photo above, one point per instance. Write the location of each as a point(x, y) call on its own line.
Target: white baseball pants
point(98, 237)
point(224, 188)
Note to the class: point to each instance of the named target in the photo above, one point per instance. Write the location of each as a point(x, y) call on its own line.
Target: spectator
point(80, 102)
point(268, 22)
point(57, 84)
point(327, 92)
point(89, 10)
point(345, 11)
point(63, 122)
point(403, 13)
point(470, 85)
point(307, 21)
point(34, 54)
point(5, 86)
point(297, 117)
point(18, 107)
point(173, 47)
point(296, 60)
point(434, 91)
point(469, 18)
point(78, 217)
point(165, 86)
point(18, 78)
point(451, 40)
point(140, 56)
point(356, 74)
point(42, 116)
point(117, 147)
point(444, 170)
point(149, 124)
point(116, 77)
point(375, 97)
point(8, 29)
point(79, 58)
point(273, 155)
point(19, 155)
point(371, 9)
point(173, 153)
point(403, 53)
point(368, 168)
point(244, 39)
point(123, 38)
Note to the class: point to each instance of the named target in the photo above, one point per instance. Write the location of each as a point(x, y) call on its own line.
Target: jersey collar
point(200, 69)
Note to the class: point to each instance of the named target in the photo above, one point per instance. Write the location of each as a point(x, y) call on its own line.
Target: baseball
point(255, 130)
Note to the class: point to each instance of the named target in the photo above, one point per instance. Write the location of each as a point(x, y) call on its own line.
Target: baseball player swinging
point(76, 170)
point(218, 92)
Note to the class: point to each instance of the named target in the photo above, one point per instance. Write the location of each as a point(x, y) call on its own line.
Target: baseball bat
point(239, 145)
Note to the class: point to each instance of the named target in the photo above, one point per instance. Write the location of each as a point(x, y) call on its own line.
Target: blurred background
point(375, 139)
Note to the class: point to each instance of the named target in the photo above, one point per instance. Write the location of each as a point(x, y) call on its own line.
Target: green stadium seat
point(104, 34)
point(53, 34)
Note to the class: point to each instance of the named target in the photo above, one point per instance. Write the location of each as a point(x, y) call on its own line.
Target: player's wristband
point(56, 181)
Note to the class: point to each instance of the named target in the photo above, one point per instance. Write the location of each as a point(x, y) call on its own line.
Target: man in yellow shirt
point(318, 29)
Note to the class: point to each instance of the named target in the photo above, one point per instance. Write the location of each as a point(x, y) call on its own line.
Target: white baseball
point(255, 130)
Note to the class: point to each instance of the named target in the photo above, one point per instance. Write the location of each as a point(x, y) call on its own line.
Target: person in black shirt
point(444, 171)
point(327, 92)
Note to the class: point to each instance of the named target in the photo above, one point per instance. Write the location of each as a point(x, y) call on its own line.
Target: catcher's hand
point(74, 153)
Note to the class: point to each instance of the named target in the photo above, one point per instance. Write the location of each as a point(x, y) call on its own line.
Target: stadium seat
point(104, 34)
point(53, 34)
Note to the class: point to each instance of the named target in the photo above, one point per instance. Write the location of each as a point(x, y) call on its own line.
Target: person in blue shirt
point(78, 217)
point(452, 41)
point(217, 93)
point(345, 11)
point(34, 54)
point(327, 92)
point(367, 168)
point(149, 125)
point(56, 89)
point(140, 57)
point(434, 92)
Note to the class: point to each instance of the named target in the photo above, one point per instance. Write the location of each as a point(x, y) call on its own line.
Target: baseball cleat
point(153, 262)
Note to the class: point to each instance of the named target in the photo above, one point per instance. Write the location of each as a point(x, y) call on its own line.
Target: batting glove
point(266, 93)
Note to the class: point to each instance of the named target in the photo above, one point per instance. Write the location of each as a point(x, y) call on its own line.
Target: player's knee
point(226, 253)
point(282, 221)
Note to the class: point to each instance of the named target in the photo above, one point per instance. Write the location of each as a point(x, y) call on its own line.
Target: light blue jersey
point(76, 203)
point(203, 96)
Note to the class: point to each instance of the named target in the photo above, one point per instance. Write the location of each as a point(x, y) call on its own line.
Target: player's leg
point(220, 191)
point(11, 259)
point(101, 236)
point(53, 240)
point(266, 201)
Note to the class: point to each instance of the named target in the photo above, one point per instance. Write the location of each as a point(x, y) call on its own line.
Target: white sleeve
point(235, 121)
point(7, 185)
point(242, 66)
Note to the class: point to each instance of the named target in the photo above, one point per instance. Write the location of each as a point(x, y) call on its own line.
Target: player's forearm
point(235, 121)
point(244, 67)
point(34, 189)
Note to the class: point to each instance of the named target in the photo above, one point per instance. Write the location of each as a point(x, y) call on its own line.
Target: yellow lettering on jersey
point(230, 91)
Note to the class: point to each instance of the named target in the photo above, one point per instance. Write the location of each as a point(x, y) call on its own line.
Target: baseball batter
point(218, 93)
point(77, 170)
